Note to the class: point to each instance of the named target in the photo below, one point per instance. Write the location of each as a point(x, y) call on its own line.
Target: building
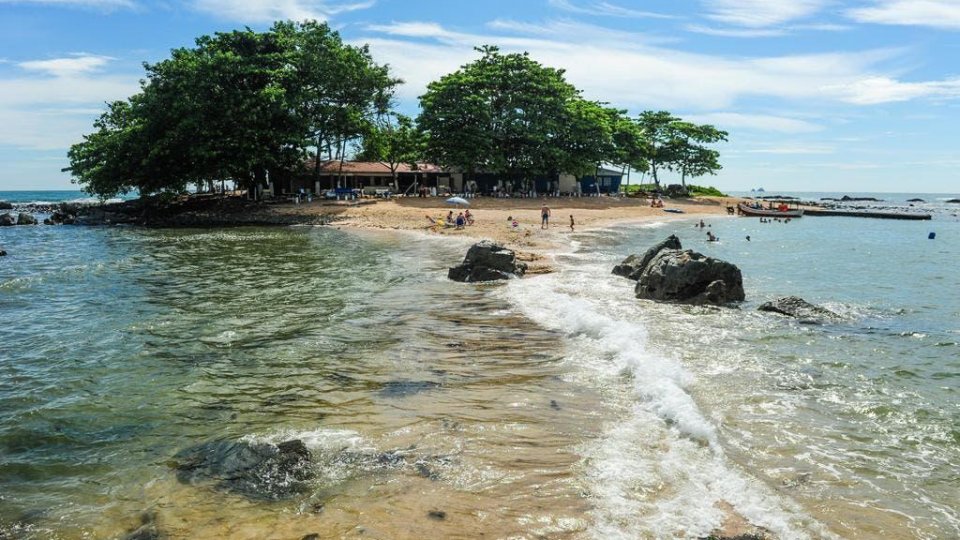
point(372, 175)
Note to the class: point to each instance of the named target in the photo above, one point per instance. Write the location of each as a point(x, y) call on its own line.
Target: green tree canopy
point(236, 106)
point(393, 141)
point(503, 113)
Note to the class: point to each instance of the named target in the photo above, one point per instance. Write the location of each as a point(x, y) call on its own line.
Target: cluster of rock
point(22, 218)
point(668, 273)
point(487, 261)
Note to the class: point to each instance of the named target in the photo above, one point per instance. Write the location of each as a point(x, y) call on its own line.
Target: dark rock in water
point(24, 218)
point(487, 261)
point(955, 201)
point(794, 306)
point(3, 253)
point(916, 200)
point(5, 205)
point(633, 266)
point(6, 220)
point(690, 277)
point(849, 198)
point(406, 388)
point(258, 470)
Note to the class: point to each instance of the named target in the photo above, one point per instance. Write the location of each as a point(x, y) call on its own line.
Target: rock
point(916, 200)
point(438, 515)
point(24, 218)
point(487, 261)
point(7, 220)
point(690, 277)
point(955, 201)
point(311, 536)
point(794, 306)
point(633, 266)
point(3, 253)
point(5, 205)
point(258, 470)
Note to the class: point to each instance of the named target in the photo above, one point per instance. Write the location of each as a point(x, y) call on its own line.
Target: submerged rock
point(7, 220)
point(690, 277)
point(487, 261)
point(794, 306)
point(258, 470)
point(633, 266)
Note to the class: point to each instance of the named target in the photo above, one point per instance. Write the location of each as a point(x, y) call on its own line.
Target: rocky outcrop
point(487, 261)
point(258, 470)
point(916, 200)
point(24, 218)
point(7, 220)
point(6, 205)
point(798, 308)
point(954, 201)
point(690, 277)
point(633, 266)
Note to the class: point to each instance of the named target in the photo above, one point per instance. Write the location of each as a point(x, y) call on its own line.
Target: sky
point(817, 95)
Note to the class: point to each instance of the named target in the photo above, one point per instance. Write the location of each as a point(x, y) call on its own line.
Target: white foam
point(659, 471)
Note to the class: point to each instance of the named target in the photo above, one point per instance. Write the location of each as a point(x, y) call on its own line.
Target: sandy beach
point(494, 217)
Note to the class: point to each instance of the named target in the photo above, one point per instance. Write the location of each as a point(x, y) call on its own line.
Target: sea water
point(555, 406)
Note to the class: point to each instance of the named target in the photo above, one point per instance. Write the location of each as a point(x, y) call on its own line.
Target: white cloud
point(271, 10)
point(628, 72)
point(734, 32)
point(101, 4)
point(935, 13)
point(794, 149)
point(605, 9)
point(54, 113)
point(67, 67)
point(759, 122)
point(874, 90)
point(761, 13)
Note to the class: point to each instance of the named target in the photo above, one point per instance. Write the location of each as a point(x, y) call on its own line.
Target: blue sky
point(818, 95)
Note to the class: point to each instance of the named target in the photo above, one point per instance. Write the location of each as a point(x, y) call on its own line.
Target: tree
point(236, 106)
point(500, 113)
point(393, 141)
point(690, 156)
point(659, 129)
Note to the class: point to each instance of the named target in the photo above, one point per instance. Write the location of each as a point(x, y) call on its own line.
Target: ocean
point(556, 406)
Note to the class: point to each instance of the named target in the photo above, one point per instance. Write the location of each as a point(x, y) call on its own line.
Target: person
point(544, 216)
point(450, 219)
point(748, 238)
point(461, 221)
point(711, 237)
point(571, 222)
point(468, 216)
point(701, 224)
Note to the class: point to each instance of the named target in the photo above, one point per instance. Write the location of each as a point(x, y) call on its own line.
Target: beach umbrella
point(458, 201)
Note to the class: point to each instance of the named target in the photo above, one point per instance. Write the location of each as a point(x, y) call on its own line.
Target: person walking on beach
point(571, 222)
point(544, 216)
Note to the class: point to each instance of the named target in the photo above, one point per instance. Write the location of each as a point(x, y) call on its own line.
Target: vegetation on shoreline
point(247, 106)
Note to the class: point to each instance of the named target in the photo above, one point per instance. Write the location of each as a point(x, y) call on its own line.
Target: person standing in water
point(544, 216)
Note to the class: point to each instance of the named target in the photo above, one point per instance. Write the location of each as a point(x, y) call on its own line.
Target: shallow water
point(557, 406)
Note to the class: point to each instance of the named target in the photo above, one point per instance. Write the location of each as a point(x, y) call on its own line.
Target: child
point(571, 222)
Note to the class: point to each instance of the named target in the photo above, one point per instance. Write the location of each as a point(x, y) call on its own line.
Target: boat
point(747, 210)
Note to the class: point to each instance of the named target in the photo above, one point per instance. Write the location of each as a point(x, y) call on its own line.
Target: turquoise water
point(556, 405)
point(44, 196)
point(857, 420)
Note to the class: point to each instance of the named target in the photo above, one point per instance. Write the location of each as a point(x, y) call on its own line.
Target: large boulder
point(26, 219)
point(487, 261)
point(633, 266)
point(690, 277)
point(796, 307)
point(6, 205)
point(7, 220)
point(258, 470)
